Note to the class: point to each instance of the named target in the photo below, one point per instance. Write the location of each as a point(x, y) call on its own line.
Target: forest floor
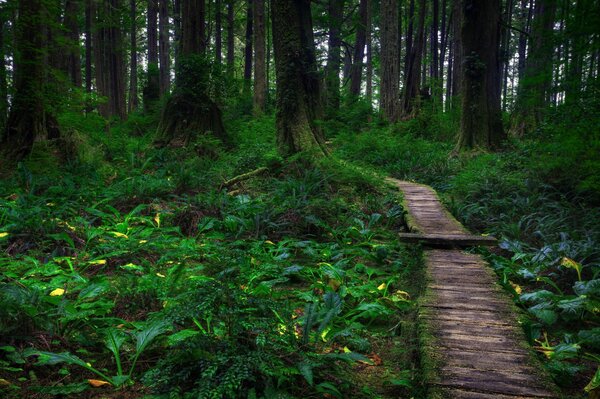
point(132, 271)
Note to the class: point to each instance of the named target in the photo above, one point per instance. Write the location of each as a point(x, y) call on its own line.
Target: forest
point(218, 198)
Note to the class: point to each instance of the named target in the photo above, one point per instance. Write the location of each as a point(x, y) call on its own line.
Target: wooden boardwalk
point(473, 346)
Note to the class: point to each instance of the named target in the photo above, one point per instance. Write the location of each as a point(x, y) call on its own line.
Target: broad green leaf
point(148, 334)
point(594, 383)
point(181, 336)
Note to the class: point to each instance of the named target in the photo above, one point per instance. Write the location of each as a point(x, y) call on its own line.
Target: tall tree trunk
point(443, 45)
point(71, 28)
point(505, 54)
point(110, 62)
point(369, 50)
point(334, 59)
point(248, 49)
point(190, 111)
point(29, 119)
point(177, 27)
point(409, 37)
point(457, 63)
point(537, 77)
point(260, 82)
point(3, 74)
point(152, 88)
point(359, 49)
point(164, 47)
point(218, 32)
point(133, 92)
point(526, 14)
point(481, 123)
point(410, 100)
point(298, 99)
point(88, 53)
point(230, 38)
point(578, 38)
point(434, 66)
point(390, 68)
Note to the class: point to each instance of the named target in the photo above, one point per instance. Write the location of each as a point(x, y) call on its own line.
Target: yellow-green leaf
point(3, 234)
point(57, 292)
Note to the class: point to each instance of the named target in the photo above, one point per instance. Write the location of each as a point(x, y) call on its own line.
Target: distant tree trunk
point(230, 38)
point(359, 49)
point(390, 68)
point(369, 71)
point(88, 52)
point(434, 66)
point(347, 64)
point(505, 55)
point(481, 123)
point(413, 78)
point(3, 74)
point(298, 99)
point(260, 78)
point(164, 47)
point(526, 14)
point(152, 88)
point(133, 93)
point(110, 62)
point(409, 37)
point(248, 49)
point(334, 59)
point(29, 119)
point(456, 48)
point(218, 32)
point(189, 111)
point(177, 27)
point(443, 46)
point(450, 75)
point(534, 88)
point(73, 56)
point(578, 38)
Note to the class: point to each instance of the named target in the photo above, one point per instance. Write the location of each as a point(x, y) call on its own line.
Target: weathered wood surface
point(447, 240)
point(470, 333)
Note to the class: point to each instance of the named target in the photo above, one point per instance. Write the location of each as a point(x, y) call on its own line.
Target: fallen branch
point(245, 176)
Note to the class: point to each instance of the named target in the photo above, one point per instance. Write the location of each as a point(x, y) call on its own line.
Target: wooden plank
point(456, 393)
point(456, 240)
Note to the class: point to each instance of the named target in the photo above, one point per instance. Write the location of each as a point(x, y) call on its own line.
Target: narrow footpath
point(472, 344)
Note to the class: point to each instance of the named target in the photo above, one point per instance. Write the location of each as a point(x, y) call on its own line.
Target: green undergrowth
point(539, 196)
point(132, 271)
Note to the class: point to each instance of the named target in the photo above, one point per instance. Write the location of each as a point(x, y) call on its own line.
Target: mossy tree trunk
point(190, 111)
point(29, 119)
point(151, 90)
point(298, 94)
point(481, 123)
point(359, 49)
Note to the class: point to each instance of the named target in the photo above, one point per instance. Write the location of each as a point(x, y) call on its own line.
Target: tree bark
point(260, 78)
point(505, 55)
point(73, 54)
point(190, 111)
point(359, 49)
point(481, 123)
point(369, 51)
point(410, 100)
point(110, 61)
point(88, 53)
point(133, 92)
point(526, 14)
point(248, 49)
point(151, 92)
point(3, 74)
point(230, 38)
point(29, 119)
point(218, 32)
point(456, 48)
point(434, 46)
point(334, 59)
point(534, 88)
point(390, 68)
point(409, 36)
point(164, 47)
point(298, 99)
